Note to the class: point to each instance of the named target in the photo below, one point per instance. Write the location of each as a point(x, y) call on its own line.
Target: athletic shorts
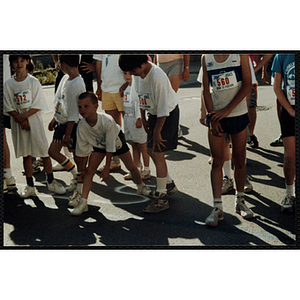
point(120, 151)
point(175, 67)
point(253, 98)
point(287, 123)
point(112, 101)
point(60, 131)
point(169, 131)
point(233, 125)
point(6, 122)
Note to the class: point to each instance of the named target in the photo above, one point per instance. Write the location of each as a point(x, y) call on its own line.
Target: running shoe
point(227, 185)
point(242, 209)
point(5, 189)
point(288, 204)
point(73, 185)
point(248, 186)
point(158, 204)
point(145, 190)
point(74, 199)
point(171, 188)
point(215, 216)
point(128, 176)
point(28, 192)
point(145, 174)
point(277, 143)
point(35, 168)
point(56, 187)
point(11, 183)
point(80, 208)
point(253, 143)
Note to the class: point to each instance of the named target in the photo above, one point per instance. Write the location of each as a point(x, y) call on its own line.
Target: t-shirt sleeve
point(38, 97)
point(162, 95)
point(277, 64)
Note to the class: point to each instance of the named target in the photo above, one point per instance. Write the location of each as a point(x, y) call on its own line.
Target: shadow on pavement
point(42, 226)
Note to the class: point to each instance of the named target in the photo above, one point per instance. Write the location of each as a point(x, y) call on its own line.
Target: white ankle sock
point(161, 184)
point(227, 169)
point(290, 190)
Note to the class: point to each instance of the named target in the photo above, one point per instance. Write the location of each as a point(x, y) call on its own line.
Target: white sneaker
point(74, 199)
point(145, 174)
point(145, 190)
point(80, 208)
point(11, 183)
point(227, 185)
point(128, 176)
point(56, 187)
point(242, 209)
point(215, 216)
point(58, 167)
point(73, 185)
point(248, 186)
point(5, 189)
point(28, 191)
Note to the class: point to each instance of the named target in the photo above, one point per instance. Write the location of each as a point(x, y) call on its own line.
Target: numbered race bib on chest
point(60, 111)
point(145, 101)
point(290, 91)
point(23, 99)
point(223, 81)
point(127, 100)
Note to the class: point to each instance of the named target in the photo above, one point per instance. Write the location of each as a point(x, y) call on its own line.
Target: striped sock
point(69, 166)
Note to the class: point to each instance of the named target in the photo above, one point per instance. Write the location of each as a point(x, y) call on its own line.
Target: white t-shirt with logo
point(111, 74)
point(21, 97)
point(155, 92)
point(65, 101)
point(104, 135)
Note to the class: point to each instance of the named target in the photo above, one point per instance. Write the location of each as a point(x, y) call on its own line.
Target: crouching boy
point(99, 136)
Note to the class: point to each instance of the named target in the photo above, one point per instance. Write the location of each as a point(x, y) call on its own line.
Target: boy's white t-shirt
point(111, 74)
point(66, 98)
point(155, 92)
point(21, 97)
point(104, 135)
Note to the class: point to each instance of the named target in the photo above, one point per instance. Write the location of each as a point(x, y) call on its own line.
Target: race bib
point(23, 99)
point(290, 91)
point(224, 81)
point(60, 111)
point(145, 101)
point(127, 100)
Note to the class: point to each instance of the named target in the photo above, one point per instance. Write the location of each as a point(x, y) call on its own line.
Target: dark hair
point(15, 57)
point(90, 95)
point(30, 66)
point(129, 62)
point(70, 60)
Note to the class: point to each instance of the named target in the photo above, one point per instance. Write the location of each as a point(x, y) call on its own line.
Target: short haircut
point(15, 57)
point(129, 62)
point(70, 60)
point(89, 95)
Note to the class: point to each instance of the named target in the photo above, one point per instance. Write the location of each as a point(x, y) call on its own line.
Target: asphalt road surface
point(116, 219)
